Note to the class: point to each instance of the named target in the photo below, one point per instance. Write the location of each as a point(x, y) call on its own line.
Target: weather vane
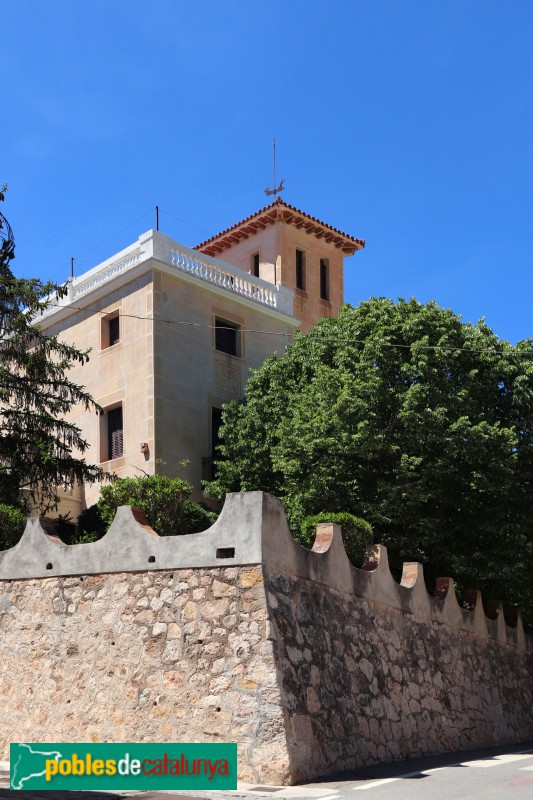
point(276, 189)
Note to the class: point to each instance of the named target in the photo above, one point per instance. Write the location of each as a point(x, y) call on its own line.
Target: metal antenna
point(71, 267)
point(274, 145)
point(157, 218)
point(276, 189)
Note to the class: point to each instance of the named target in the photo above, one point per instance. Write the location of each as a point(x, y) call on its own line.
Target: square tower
point(288, 247)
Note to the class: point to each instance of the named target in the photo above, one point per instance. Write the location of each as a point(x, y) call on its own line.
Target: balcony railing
point(153, 244)
point(84, 284)
point(232, 279)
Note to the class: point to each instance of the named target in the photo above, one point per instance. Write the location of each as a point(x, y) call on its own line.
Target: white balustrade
point(205, 268)
point(230, 278)
point(105, 274)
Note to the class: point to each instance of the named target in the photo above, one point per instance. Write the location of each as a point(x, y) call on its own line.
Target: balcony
point(153, 244)
point(232, 279)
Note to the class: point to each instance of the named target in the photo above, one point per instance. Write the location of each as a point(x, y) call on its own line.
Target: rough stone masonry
point(239, 634)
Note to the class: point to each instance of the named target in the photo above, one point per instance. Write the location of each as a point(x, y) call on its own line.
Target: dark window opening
point(110, 331)
point(114, 331)
point(216, 423)
point(115, 433)
point(324, 279)
point(209, 467)
point(300, 269)
point(255, 265)
point(227, 337)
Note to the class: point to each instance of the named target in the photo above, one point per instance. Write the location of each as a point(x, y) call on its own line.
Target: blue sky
point(406, 123)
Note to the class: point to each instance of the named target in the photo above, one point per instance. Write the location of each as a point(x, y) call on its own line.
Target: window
point(110, 334)
point(115, 433)
point(324, 279)
point(227, 337)
point(216, 422)
point(254, 264)
point(114, 331)
point(300, 269)
point(209, 468)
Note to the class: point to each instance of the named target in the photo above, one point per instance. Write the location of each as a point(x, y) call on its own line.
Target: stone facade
point(164, 373)
point(239, 634)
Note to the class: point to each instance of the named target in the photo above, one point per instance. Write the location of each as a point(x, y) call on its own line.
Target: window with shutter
point(110, 330)
point(114, 331)
point(115, 433)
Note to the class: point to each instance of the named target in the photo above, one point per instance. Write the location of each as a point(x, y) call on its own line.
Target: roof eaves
point(279, 209)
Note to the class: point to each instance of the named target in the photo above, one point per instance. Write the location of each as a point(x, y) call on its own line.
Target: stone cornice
point(154, 250)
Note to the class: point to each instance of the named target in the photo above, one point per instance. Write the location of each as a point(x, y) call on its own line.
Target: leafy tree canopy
point(40, 451)
point(165, 502)
point(403, 415)
point(356, 533)
point(12, 524)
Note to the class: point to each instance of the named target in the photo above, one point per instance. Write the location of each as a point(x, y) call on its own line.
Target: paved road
point(478, 775)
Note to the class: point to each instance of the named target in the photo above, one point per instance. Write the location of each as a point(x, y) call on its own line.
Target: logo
point(109, 766)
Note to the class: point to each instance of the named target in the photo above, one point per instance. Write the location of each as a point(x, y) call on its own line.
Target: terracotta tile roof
point(278, 210)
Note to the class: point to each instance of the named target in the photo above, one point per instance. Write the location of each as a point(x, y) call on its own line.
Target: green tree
point(165, 501)
point(12, 524)
point(401, 414)
point(40, 451)
point(356, 533)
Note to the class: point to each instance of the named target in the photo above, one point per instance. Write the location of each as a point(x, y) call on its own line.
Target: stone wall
point(363, 683)
point(161, 656)
point(239, 634)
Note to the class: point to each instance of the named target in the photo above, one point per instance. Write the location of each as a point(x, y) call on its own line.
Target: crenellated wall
point(239, 634)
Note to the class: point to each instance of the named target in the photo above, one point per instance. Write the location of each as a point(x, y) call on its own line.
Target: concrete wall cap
point(252, 529)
